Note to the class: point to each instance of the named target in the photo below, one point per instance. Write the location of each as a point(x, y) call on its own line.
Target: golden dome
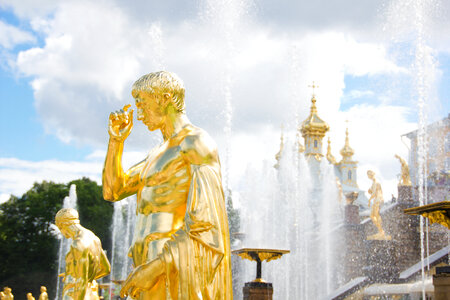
point(314, 125)
point(347, 151)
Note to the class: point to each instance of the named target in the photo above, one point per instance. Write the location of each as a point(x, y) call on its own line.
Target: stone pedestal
point(441, 282)
point(351, 214)
point(381, 266)
point(405, 195)
point(258, 291)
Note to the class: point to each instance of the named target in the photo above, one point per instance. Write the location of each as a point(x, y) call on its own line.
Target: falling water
point(155, 34)
point(124, 219)
point(410, 21)
point(225, 17)
point(64, 244)
point(283, 211)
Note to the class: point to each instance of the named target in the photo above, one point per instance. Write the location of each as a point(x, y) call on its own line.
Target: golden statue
point(2, 295)
point(376, 194)
point(30, 296)
point(85, 261)
point(7, 294)
point(181, 247)
point(405, 179)
point(43, 295)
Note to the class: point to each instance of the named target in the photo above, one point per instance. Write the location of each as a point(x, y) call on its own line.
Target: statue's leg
point(378, 218)
point(157, 292)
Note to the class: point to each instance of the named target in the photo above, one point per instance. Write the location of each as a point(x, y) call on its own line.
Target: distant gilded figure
point(7, 294)
point(43, 295)
point(181, 247)
point(405, 179)
point(30, 296)
point(376, 194)
point(85, 262)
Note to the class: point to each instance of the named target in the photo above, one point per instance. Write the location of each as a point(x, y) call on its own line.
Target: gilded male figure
point(85, 262)
point(180, 248)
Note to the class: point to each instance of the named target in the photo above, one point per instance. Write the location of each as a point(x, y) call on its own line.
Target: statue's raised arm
point(118, 184)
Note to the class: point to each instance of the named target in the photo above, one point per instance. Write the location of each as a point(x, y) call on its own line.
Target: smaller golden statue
point(85, 261)
point(2, 295)
point(43, 295)
point(7, 294)
point(376, 194)
point(30, 296)
point(340, 190)
point(405, 179)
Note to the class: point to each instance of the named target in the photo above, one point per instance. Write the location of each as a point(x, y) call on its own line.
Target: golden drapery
point(197, 257)
point(85, 262)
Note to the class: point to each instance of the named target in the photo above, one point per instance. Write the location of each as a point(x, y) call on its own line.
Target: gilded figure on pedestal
point(376, 194)
point(181, 245)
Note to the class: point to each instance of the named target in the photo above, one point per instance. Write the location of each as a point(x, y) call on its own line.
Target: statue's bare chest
point(165, 180)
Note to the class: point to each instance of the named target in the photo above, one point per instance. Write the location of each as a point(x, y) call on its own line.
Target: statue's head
point(7, 290)
point(43, 289)
point(156, 94)
point(65, 218)
point(29, 296)
point(370, 174)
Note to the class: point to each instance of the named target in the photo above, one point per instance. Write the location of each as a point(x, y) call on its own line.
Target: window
point(349, 175)
point(315, 143)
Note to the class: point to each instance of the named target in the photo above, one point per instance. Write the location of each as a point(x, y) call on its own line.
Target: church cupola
point(313, 130)
point(347, 151)
point(347, 165)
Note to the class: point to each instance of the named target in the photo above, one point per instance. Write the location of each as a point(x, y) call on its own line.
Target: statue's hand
point(121, 123)
point(143, 278)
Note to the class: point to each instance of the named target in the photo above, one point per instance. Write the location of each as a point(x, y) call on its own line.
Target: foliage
point(28, 245)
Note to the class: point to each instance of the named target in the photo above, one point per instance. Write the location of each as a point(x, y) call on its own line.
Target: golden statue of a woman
point(181, 246)
point(376, 194)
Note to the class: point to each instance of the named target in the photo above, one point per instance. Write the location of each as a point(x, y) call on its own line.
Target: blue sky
point(65, 66)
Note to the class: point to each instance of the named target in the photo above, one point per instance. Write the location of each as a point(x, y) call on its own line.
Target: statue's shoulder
point(85, 241)
point(198, 146)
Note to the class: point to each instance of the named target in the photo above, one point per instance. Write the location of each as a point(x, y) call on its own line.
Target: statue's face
point(149, 110)
point(64, 230)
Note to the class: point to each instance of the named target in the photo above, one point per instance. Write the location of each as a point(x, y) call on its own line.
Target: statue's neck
point(173, 125)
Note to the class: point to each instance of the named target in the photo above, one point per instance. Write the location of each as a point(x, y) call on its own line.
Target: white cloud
point(355, 94)
point(29, 8)
point(11, 36)
point(17, 176)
